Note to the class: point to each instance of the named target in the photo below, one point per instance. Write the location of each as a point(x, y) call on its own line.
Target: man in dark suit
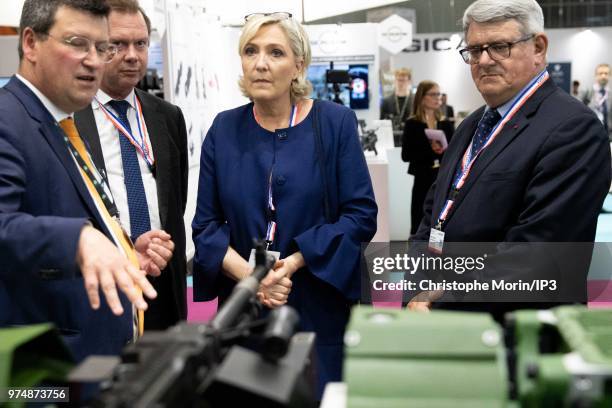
point(59, 244)
point(447, 110)
point(598, 97)
point(153, 193)
point(535, 161)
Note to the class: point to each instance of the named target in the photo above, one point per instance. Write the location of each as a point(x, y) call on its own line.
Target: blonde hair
point(298, 41)
point(403, 72)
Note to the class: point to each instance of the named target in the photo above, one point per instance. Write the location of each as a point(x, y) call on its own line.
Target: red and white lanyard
point(140, 141)
point(468, 161)
point(270, 207)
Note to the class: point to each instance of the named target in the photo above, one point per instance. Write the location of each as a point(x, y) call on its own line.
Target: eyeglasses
point(122, 46)
point(81, 46)
point(279, 15)
point(497, 51)
point(434, 94)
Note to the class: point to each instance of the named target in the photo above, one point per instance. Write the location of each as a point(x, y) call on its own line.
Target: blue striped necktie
point(137, 200)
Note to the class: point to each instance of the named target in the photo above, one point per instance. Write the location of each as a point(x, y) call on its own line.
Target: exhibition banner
point(561, 74)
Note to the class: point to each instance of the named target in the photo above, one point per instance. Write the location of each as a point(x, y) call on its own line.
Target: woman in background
point(264, 172)
point(423, 154)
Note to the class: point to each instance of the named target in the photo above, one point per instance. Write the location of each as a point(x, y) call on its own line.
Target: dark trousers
point(422, 182)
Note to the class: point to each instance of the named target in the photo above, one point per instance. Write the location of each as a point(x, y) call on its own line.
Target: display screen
point(354, 94)
point(322, 90)
point(359, 87)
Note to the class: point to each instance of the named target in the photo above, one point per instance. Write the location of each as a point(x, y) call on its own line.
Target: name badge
point(275, 254)
point(436, 241)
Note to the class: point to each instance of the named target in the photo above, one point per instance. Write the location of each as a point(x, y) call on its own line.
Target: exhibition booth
point(194, 54)
point(391, 360)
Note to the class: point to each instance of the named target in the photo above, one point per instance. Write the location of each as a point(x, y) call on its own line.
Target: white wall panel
point(583, 48)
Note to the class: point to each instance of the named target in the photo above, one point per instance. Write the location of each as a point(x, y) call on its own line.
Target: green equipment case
point(560, 357)
point(396, 358)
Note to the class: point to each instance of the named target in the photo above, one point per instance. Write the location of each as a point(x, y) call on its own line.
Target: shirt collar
point(504, 108)
point(57, 113)
point(103, 98)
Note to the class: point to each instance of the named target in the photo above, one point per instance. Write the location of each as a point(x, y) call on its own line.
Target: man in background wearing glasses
point(532, 165)
point(145, 161)
point(59, 243)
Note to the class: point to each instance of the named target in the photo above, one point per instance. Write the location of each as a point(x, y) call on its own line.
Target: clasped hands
point(103, 266)
point(274, 289)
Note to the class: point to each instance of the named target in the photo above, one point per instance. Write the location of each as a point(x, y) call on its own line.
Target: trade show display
point(250, 355)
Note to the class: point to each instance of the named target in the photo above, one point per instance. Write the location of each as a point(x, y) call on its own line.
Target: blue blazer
point(44, 204)
point(237, 159)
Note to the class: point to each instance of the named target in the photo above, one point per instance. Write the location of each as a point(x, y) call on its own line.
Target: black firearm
point(368, 138)
point(238, 359)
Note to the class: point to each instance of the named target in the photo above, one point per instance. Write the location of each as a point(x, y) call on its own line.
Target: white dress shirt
point(53, 109)
point(111, 150)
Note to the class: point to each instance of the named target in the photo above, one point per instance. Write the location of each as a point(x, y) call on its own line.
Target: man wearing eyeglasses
point(139, 141)
point(532, 165)
point(64, 258)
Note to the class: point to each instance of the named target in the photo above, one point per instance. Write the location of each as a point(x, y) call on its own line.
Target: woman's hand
point(274, 289)
point(290, 264)
point(276, 286)
point(437, 147)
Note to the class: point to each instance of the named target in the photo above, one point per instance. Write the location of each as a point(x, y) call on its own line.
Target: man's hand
point(154, 249)
point(103, 265)
point(422, 301)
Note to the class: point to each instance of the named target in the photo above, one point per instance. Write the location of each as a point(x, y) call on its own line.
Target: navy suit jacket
point(44, 204)
point(542, 180)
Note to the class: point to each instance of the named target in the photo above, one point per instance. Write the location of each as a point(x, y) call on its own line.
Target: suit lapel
point(158, 134)
point(54, 136)
point(511, 130)
point(88, 129)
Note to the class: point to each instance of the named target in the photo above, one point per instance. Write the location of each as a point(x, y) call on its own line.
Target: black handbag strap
point(321, 159)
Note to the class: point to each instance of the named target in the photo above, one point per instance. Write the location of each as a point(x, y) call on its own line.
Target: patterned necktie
point(486, 124)
point(79, 152)
point(604, 108)
point(137, 200)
